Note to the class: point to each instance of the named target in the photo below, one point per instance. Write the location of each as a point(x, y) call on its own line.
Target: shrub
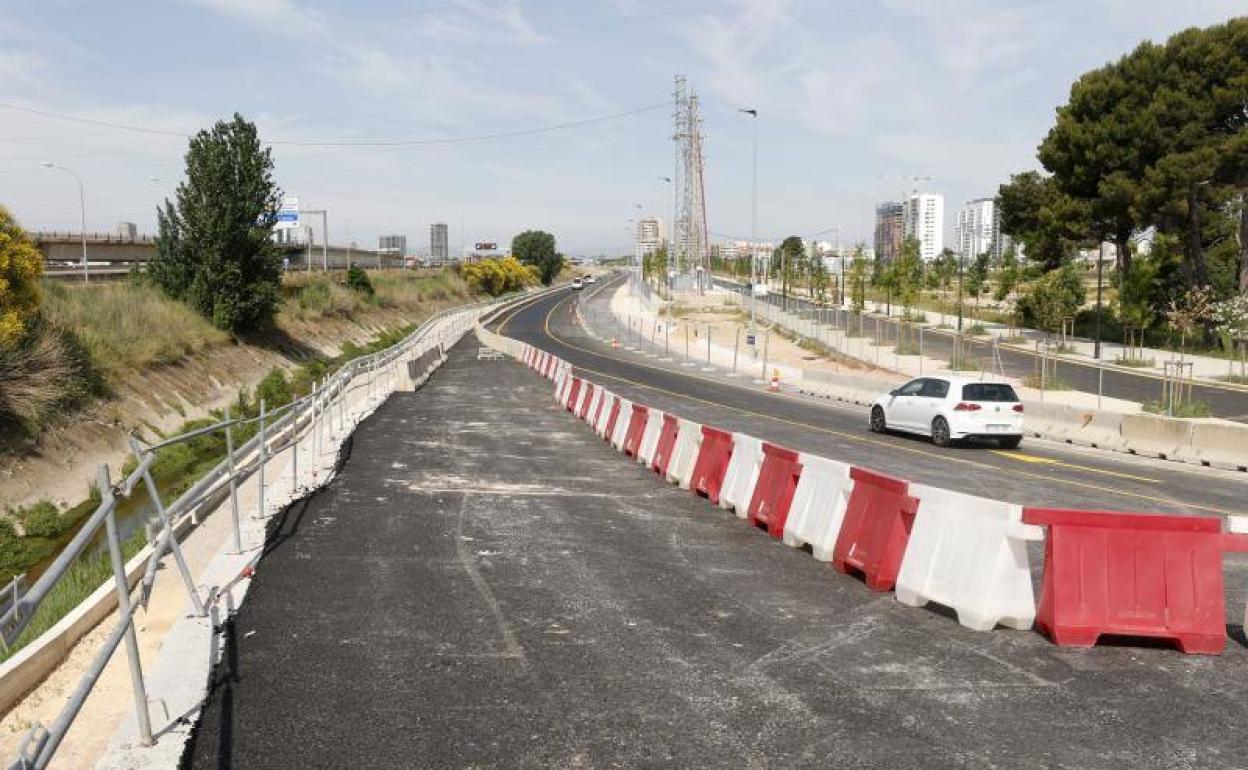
point(357, 280)
point(20, 267)
point(274, 389)
point(316, 296)
point(40, 520)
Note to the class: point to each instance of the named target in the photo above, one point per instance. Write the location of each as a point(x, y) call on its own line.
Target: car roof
point(958, 380)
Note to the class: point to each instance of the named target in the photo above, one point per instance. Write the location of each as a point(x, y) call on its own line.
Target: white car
point(576, 283)
point(590, 279)
point(950, 409)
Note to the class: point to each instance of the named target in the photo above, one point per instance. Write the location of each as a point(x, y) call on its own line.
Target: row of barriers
point(1105, 573)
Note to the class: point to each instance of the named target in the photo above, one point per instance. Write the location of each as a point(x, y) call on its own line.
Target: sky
point(855, 98)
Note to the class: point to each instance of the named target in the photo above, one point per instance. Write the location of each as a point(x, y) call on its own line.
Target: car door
point(927, 405)
point(902, 405)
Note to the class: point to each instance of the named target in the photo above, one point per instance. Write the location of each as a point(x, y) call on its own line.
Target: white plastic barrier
point(562, 386)
point(741, 474)
point(650, 437)
point(970, 554)
point(608, 402)
point(581, 397)
point(818, 506)
point(594, 401)
point(620, 429)
point(685, 453)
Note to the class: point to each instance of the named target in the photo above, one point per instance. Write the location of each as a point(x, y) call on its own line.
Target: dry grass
point(125, 326)
point(315, 296)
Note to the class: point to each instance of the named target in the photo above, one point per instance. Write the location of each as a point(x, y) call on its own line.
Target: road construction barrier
point(572, 394)
point(620, 428)
point(1219, 443)
point(613, 416)
point(714, 455)
point(595, 403)
point(818, 507)
point(650, 436)
point(969, 554)
point(685, 453)
point(543, 359)
point(1133, 574)
point(666, 444)
point(588, 396)
point(741, 475)
point(605, 407)
point(1151, 436)
point(877, 524)
point(636, 426)
point(773, 494)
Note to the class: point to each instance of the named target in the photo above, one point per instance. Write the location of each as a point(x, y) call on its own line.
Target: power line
point(349, 142)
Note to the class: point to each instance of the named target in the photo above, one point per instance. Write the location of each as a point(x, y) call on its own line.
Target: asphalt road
point(1226, 401)
point(1039, 474)
point(487, 584)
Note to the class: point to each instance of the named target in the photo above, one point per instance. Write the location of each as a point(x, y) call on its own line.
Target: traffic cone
point(615, 342)
point(774, 385)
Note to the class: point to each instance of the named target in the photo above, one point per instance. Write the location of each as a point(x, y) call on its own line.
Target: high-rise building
point(924, 217)
point(889, 229)
point(978, 229)
point(649, 237)
point(439, 244)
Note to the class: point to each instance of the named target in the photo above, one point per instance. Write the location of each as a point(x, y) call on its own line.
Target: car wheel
point(878, 424)
point(1010, 442)
point(940, 432)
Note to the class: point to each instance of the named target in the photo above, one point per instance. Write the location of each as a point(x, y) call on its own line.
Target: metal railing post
point(229, 453)
point(766, 349)
point(736, 346)
point(294, 454)
point(708, 347)
point(178, 557)
point(264, 454)
point(123, 612)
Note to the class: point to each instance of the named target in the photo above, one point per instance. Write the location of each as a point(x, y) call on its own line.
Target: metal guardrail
point(308, 418)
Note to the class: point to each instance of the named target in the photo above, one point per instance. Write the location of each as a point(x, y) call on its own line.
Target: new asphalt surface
point(488, 584)
point(1225, 401)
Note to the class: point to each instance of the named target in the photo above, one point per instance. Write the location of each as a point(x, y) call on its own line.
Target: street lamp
point(753, 113)
point(82, 207)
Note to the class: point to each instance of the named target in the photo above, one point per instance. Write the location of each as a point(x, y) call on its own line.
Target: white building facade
point(978, 229)
point(923, 217)
point(649, 237)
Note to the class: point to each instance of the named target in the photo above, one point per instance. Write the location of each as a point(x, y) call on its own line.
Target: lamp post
point(753, 113)
point(82, 208)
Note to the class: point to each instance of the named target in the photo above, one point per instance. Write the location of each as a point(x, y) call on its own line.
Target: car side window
point(911, 388)
point(935, 389)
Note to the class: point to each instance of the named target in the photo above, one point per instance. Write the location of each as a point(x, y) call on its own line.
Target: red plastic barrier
point(667, 442)
point(1133, 574)
point(589, 399)
point(609, 430)
point(548, 370)
point(712, 462)
point(636, 427)
point(877, 524)
point(773, 492)
point(602, 404)
point(572, 394)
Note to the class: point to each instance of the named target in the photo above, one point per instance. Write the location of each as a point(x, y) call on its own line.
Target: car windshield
point(988, 391)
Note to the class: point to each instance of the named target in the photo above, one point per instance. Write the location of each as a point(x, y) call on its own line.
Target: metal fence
point(311, 418)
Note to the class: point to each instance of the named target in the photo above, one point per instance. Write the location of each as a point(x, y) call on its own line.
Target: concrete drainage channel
point(294, 453)
point(928, 544)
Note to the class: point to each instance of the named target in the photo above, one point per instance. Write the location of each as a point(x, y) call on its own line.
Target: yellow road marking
point(853, 437)
point(1026, 458)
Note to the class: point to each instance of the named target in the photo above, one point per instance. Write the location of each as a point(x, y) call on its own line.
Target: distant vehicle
point(590, 279)
point(576, 283)
point(950, 409)
point(759, 289)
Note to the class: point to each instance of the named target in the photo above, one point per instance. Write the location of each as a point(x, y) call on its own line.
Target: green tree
point(21, 265)
point(1137, 300)
point(214, 250)
point(1047, 221)
point(537, 248)
point(859, 272)
point(908, 273)
point(977, 276)
point(1052, 298)
point(1008, 275)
